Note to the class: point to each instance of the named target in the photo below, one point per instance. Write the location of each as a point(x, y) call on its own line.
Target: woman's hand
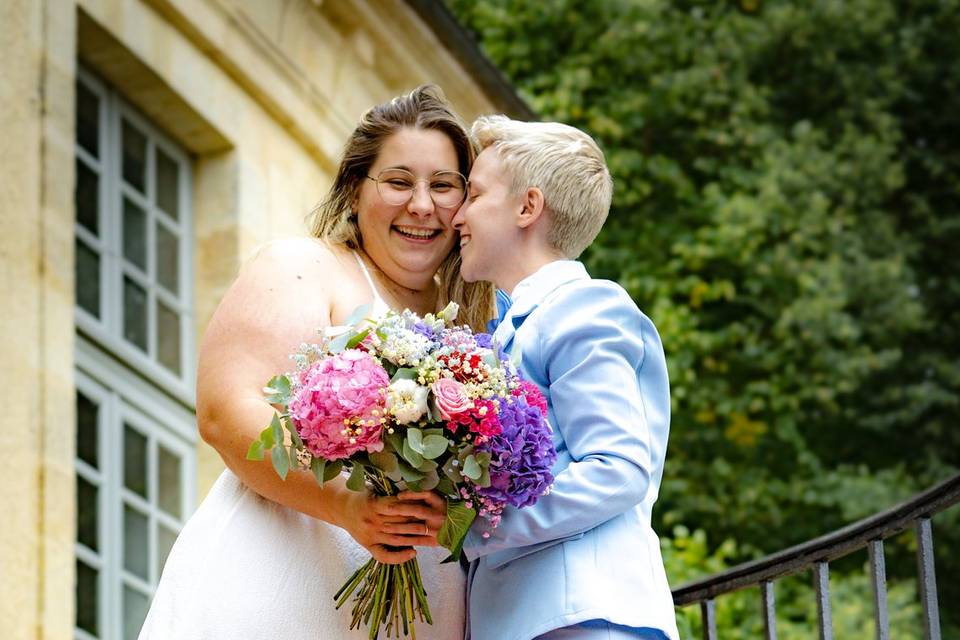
point(389, 527)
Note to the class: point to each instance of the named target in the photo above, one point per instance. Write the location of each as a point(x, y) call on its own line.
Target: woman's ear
point(533, 206)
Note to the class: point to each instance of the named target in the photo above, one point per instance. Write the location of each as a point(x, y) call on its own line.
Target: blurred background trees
point(787, 211)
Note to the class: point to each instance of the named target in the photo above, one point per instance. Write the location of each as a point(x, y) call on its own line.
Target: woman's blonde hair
point(334, 221)
point(565, 164)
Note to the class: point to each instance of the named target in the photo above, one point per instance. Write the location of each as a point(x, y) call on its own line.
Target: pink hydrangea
point(339, 405)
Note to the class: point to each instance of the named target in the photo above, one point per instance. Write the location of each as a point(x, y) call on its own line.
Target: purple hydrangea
point(424, 330)
point(484, 340)
point(521, 455)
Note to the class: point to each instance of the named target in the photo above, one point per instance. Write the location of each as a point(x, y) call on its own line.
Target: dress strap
point(379, 304)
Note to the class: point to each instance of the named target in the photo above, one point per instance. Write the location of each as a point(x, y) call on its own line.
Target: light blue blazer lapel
point(514, 319)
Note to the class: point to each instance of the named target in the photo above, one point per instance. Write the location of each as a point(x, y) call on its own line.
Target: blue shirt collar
point(532, 290)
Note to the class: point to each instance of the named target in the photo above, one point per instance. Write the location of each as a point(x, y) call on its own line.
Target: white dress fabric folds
point(247, 567)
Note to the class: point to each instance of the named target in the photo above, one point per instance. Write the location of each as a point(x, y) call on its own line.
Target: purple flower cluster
point(521, 455)
point(424, 330)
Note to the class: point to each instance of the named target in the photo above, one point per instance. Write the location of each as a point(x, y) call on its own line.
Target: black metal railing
point(816, 555)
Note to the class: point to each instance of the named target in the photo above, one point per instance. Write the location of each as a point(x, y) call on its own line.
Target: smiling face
point(487, 223)
point(408, 242)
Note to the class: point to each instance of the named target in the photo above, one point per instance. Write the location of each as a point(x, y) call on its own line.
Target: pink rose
point(451, 398)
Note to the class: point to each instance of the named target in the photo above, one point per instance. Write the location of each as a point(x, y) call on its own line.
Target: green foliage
point(787, 211)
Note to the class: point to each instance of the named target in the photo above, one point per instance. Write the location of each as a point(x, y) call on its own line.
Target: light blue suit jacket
point(586, 550)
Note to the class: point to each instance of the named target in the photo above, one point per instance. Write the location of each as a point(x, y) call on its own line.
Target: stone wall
point(262, 95)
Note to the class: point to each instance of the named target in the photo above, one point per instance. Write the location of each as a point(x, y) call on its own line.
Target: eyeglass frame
point(416, 181)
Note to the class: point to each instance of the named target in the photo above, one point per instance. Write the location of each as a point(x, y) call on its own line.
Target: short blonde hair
point(565, 164)
point(334, 221)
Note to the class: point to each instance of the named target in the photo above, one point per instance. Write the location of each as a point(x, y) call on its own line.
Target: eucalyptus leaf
point(411, 456)
point(277, 429)
point(471, 468)
point(455, 528)
point(415, 438)
point(433, 412)
point(405, 373)
point(430, 481)
point(433, 446)
point(357, 315)
point(266, 438)
point(426, 466)
point(385, 461)
point(408, 473)
point(339, 343)
point(281, 463)
point(294, 436)
point(318, 467)
point(446, 487)
point(451, 469)
point(394, 441)
point(484, 480)
point(333, 470)
point(356, 481)
point(357, 339)
point(278, 390)
point(255, 452)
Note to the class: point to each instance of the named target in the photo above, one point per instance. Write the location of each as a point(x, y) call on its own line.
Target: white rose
point(407, 400)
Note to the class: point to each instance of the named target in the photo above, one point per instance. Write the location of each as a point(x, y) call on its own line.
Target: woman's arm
point(278, 301)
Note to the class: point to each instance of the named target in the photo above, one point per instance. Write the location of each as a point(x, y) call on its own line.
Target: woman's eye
point(441, 186)
point(398, 183)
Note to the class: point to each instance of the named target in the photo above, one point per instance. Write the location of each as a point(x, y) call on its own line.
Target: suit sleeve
point(608, 386)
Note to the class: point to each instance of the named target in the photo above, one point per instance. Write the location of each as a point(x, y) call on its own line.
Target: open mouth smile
point(417, 233)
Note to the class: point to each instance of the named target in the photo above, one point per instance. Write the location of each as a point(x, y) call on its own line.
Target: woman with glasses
point(262, 557)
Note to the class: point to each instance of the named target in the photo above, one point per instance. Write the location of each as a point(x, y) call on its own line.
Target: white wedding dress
point(246, 567)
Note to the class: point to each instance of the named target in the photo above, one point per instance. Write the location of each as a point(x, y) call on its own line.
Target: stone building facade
point(146, 148)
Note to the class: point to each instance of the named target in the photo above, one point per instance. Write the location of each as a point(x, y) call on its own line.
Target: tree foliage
point(787, 211)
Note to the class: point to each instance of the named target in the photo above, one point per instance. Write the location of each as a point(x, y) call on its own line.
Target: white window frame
point(108, 329)
point(122, 398)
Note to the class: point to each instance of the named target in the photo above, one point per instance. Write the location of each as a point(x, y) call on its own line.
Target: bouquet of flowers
point(418, 403)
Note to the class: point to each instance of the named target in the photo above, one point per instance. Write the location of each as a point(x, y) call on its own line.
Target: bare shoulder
point(280, 298)
point(301, 255)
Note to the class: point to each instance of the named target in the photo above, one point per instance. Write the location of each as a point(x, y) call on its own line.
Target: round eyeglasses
point(447, 189)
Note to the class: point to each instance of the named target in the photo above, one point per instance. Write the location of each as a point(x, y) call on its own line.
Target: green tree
point(787, 210)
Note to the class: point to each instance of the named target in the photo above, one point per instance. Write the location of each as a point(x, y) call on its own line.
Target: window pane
point(87, 274)
point(168, 190)
point(134, 460)
point(169, 482)
point(135, 544)
point(134, 612)
point(88, 119)
point(87, 435)
point(134, 313)
point(88, 598)
point(165, 540)
point(87, 197)
point(168, 338)
point(134, 234)
point(134, 157)
point(87, 514)
point(168, 253)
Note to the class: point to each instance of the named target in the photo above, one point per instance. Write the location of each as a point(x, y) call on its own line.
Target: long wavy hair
point(334, 221)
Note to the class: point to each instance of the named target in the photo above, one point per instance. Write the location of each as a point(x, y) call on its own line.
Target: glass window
point(135, 459)
point(130, 507)
point(133, 250)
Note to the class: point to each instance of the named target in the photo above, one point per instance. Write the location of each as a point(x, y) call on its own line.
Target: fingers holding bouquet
point(436, 428)
point(390, 527)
